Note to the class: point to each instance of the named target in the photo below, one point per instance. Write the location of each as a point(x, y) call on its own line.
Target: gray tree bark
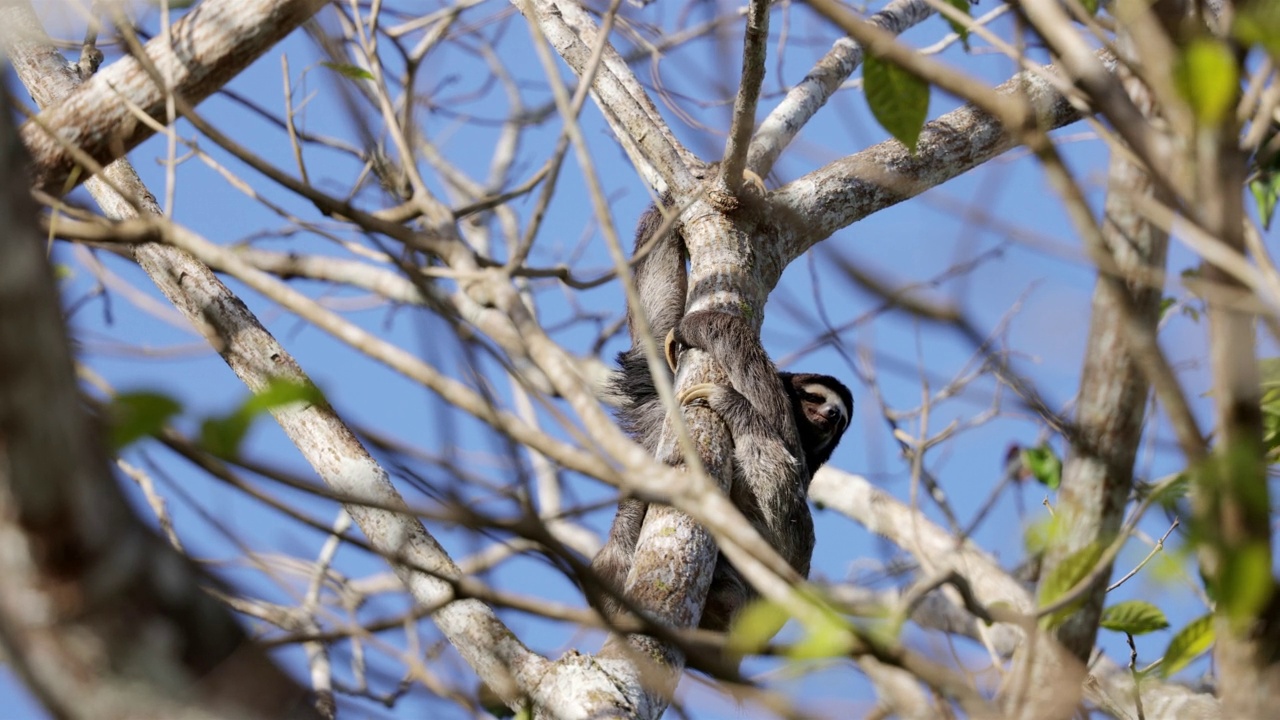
point(98, 614)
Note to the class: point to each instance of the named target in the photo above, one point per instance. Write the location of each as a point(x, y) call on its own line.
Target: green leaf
point(1244, 584)
point(1264, 180)
point(1269, 372)
point(1190, 642)
point(1208, 78)
point(280, 392)
point(1136, 617)
point(1042, 534)
point(1266, 191)
point(1091, 6)
point(1244, 479)
point(1169, 567)
point(899, 100)
point(828, 636)
point(1064, 576)
point(1258, 23)
point(138, 415)
point(1269, 369)
point(957, 28)
point(755, 626)
point(351, 72)
point(1044, 465)
point(1165, 304)
point(1168, 495)
point(222, 436)
point(1271, 421)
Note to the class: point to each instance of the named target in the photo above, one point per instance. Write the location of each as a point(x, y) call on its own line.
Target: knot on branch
point(750, 192)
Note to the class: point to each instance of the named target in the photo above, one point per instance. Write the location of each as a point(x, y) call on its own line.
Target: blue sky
point(1041, 290)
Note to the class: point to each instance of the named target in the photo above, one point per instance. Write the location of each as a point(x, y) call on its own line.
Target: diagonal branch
point(99, 615)
point(883, 175)
point(810, 95)
point(258, 358)
point(660, 159)
point(206, 48)
point(937, 552)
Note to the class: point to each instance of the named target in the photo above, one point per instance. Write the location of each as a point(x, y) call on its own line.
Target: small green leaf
point(1264, 180)
point(1091, 6)
point(1064, 576)
point(755, 626)
point(1168, 495)
point(1042, 534)
point(1044, 465)
point(1169, 567)
point(957, 28)
point(351, 72)
point(138, 415)
point(1269, 372)
point(1165, 304)
point(824, 638)
point(1271, 422)
point(222, 436)
point(1245, 583)
point(1210, 587)
point(899, 100)
point(1258, 23)
point(1190, 642)
point(280, 392)
point(1207, 76)
point(1136, 617)
point(1266, 191)
point(1269, 369)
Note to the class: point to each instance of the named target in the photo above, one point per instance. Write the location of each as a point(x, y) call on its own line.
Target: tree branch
point(78, 562)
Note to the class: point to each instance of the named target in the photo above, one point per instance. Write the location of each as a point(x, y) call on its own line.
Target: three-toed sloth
point(784, 425)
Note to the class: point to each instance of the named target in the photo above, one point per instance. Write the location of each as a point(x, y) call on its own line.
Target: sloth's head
point(822, 407)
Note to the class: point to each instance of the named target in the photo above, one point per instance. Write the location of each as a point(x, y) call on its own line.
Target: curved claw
point(701, 391)
point(669, 349)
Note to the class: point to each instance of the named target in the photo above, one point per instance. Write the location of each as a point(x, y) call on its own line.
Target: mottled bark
point(259, 359)
point(737, 259)
point(203, 50)
point(810, 95)
point(1098, 474)
point(98, 614)
point(1233, 502)
point(853, 187)
point(936, 550)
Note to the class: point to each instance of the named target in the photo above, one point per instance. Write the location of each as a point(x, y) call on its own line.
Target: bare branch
point(68, 528)
point(203, 50)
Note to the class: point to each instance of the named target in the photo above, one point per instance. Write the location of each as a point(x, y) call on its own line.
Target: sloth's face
point(826, 412)
point(822, 406)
